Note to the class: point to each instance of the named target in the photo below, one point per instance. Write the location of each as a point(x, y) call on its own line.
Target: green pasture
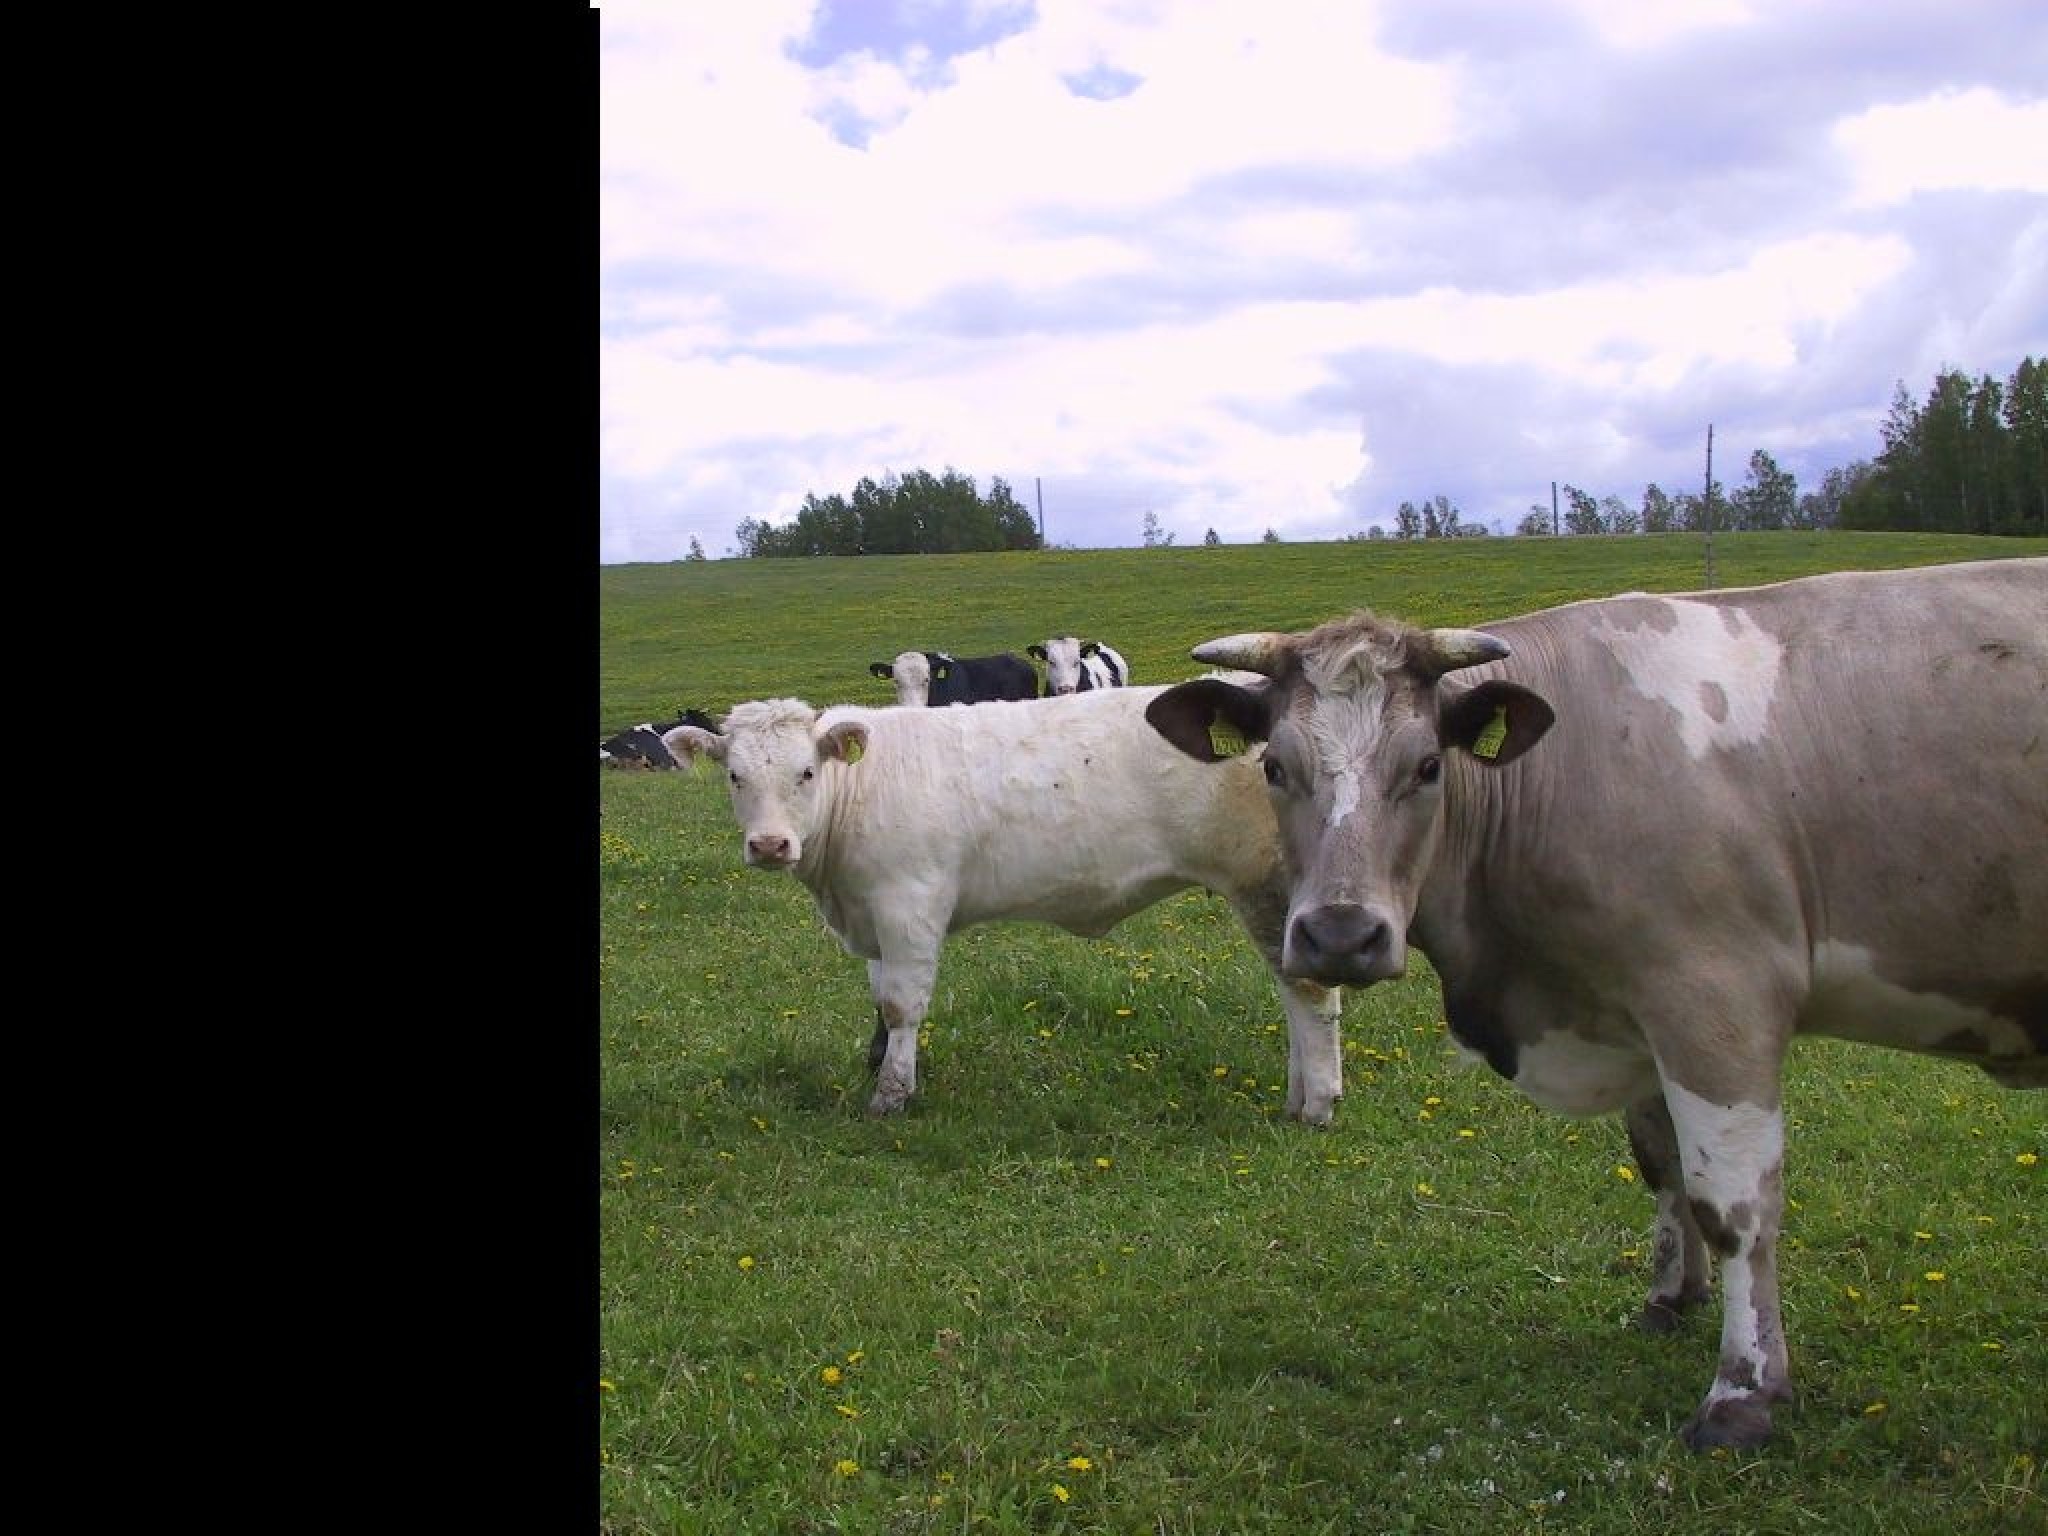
point(1092, 1280)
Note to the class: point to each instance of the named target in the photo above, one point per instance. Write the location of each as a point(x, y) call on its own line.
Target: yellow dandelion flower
point(1936, 1275)
point(1909, 1306)
point(1623, 1172)
point(1102, 1162)
point(746, 1262)
point(1467, 1134)
point(1219, 1071)
point(759, 1123)
point(605, 1386)
point(1427, 1191)
point(846, 1468)
point(1852, 1293)
point(2027, 1159)
point(1923, 1237)
point(1080, 1463)
point(1433, 1101)
point(856, 1357)
point(1059, 1492)
point(1874, 1409)
point(831, 1375)
point(1123, 1013)
point(1991, 1344)
point(846, 1411)
point(1045, 1034)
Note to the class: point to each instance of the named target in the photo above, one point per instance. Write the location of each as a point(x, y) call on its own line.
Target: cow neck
point(1479, 812)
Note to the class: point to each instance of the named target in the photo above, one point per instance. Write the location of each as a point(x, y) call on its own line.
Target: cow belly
point(1851, 1001)
point(1571, 1075)
point(1090, 910)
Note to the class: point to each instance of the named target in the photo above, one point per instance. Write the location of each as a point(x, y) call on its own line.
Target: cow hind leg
point(1682, 1278)
point(1733, 1156)
point(903, 992)
point(878, 1043)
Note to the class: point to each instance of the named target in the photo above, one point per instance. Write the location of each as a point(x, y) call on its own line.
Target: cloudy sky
point(1287, 264)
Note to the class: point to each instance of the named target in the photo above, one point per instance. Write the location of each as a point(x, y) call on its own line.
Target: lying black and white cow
point(1075, 666)
point(904, 824)
point(1818, 807)
point(934, 677)
point(640, 746)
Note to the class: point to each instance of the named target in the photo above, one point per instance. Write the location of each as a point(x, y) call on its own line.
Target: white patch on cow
point(1345, 727)
point(912, 675)
point(1715, 667)
point(1572, 1075)
point(1850, 1001)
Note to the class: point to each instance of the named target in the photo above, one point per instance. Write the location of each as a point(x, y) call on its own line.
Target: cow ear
point(847, 741)
point(881, 669)
point(686, 741)
point(1090, 647)
point(1209, 719)
point(1496, 722)
point(1035, 650)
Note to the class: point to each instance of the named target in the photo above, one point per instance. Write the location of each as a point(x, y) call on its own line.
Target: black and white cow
point(640, 746)
point(905, 826)
point(935, 677)
point(1819, 807)
point(1075, 666)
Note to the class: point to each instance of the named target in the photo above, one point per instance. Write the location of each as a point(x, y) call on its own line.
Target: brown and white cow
point(909, 824)
point(1817, 807)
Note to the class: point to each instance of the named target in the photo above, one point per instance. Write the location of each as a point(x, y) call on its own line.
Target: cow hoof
point(1309, 1115)
point(1741, 1422)
point(1659, 1317)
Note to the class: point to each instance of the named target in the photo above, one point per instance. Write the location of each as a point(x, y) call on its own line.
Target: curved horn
point(1439, 651)
point(1260, 651)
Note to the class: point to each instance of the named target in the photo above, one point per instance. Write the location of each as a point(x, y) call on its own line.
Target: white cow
point(908, 824)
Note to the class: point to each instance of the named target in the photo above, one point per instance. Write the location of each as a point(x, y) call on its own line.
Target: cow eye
point(735, 779)
point(805, 776)
point(1275, 774)
point(1427, 770)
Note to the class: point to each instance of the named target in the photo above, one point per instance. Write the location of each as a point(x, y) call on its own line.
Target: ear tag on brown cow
point(853, 751)
point(1225, 740)
point(1490, 740)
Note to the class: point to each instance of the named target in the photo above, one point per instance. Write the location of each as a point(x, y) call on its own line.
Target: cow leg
point(1315, 1066)
point(1682, 1279)
point(878, 1043)
point(903, 992)
point(1733, 1156)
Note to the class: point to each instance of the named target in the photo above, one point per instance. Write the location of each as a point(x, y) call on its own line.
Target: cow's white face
point(774, 758)
point(912, 674)
point(1062, 659)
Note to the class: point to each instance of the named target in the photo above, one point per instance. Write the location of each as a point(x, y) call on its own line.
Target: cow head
point(774, 754)
point(1357, 731)
point(913, 673)
point(1062, 658)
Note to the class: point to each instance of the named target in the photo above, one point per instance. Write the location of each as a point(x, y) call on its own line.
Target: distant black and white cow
point(1819, 807)
point(640, 746)
point(1075, 666)
point(934, 677)
point(908, 824)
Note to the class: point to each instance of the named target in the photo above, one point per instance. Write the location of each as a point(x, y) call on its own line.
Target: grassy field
point(1093, 1281)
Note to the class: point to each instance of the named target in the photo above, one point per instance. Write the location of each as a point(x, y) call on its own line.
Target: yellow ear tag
point(853, 752)
point(1488, 742)
point(1225, 740)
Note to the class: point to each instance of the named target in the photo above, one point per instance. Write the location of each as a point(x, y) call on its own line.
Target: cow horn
point(1257, 652)
point(1439, 651)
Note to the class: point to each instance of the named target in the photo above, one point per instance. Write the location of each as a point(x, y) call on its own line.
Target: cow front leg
point(878, 1042)
point(903, 992)
point(1733, 1157)
point(1682, 1278)
point(1315, 1064)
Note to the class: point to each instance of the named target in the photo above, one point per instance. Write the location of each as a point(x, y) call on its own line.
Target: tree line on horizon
point(1971, 458)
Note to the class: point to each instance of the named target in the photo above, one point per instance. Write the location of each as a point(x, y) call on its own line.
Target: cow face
point(912, 673)
point(1062, 658)
point(774, 756)
point(1356, 735)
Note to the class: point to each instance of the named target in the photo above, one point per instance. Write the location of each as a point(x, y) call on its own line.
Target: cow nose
point(768, 848)
point(1341, 943)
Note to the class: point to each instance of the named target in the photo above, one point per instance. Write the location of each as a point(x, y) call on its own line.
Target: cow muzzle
point(772, 850)
point(1342, 944)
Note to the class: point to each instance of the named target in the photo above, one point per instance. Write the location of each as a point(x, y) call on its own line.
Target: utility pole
point(1553, 509)
point(1039, 482)
point(1707, 505)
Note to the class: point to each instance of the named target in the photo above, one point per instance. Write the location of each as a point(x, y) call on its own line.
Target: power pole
point(1707, 505)
point(1039, 482)
point(1553, 509)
